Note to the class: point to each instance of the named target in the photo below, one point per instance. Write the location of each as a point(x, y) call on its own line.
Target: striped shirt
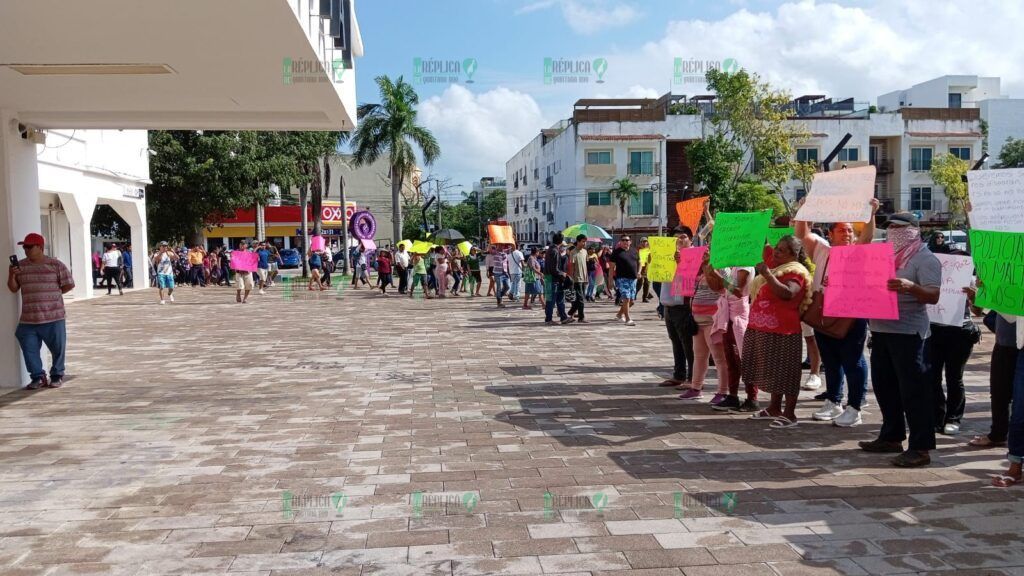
point(42, 301)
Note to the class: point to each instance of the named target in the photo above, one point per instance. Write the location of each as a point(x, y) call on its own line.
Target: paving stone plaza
point(349, 433)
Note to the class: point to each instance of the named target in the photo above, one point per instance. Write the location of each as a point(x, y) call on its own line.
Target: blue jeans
point(903, 390)
point(1016, 437)
point(845, 358)
point(501, 285)
point(555, 296)
point(31, 337)
point(513, 290)
point(591, 284)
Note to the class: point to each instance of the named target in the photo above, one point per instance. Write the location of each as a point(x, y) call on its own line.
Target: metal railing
point(644, 169)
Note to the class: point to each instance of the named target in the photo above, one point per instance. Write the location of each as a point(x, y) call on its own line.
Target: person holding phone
point(163, 262)
point(42, 281)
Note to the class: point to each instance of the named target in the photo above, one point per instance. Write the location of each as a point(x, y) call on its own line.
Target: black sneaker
point(568, 321)
point(881, 446)
point(34, 385)
point(56, 382)
point(730, 404)
point(750, 406)
point(822, 396)
point(912, 459)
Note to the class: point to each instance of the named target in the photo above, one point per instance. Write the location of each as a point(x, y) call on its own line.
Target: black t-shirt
point(626, 263)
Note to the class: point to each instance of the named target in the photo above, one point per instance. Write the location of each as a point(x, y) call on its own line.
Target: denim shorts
point(165, 280)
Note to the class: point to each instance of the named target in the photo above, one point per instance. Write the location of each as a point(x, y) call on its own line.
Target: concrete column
point(134, 214)
point(19, 215)
point(79, 210)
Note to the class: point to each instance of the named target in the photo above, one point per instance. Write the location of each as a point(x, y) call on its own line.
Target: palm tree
point(624, 192)
point(390, 128)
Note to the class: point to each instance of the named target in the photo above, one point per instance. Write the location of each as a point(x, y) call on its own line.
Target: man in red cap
point(43, 281)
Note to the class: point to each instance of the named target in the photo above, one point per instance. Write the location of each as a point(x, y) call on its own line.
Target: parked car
point(290, 258)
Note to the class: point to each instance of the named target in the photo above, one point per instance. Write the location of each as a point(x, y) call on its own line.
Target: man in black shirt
point(625, 265)
point(556, 264)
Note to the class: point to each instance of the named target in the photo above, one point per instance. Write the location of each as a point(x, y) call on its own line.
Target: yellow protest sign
point(421, 247)
point(663, 259)
point(465, 247)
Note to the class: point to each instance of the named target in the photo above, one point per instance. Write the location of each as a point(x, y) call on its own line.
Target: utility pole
point(437, 186)
point(344, 227)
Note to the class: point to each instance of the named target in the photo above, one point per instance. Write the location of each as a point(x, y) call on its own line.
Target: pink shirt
point(42, 301)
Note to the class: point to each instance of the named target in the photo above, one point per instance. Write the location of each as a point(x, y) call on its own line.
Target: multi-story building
point(488, 184)
point(563, 176)
point(1003, 115)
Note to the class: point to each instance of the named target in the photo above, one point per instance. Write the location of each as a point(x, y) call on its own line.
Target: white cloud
point(478, 133)
point(587, 16)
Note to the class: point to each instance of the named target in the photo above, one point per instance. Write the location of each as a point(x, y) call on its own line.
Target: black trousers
point(578, 289)
point(902, 389)
point(947, 351)
point(1000, 382)
point(403, 279)
point(682, 342)
point(112, 274)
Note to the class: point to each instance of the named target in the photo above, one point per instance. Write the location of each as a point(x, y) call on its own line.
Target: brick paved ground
point(387, 436)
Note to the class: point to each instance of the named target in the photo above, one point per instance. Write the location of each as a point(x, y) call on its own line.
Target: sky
point(850, 48)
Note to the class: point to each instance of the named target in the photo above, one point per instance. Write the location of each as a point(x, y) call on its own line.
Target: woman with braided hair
point(773, 344)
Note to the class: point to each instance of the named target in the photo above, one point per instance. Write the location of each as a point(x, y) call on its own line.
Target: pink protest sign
point(244, 261)
point(685, 281)
point(857, 282)
point(316, 243)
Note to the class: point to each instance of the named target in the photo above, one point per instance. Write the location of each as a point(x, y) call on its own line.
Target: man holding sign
point(244, 263)
point(843, 357)
point(898, 370)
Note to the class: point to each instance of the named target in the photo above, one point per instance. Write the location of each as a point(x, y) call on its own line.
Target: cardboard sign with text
point(840, 196)
point(957, 272)
point(685, 281)
point(663, 259)
point(738, 239)
point(999, 261)
point(690, 212)
point(858, 276)
point(997, 199)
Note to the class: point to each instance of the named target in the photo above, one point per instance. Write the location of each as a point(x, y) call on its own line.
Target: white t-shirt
point(110, 258)
point(402, 259)
point(163, 266)
point(515, 262)
point(820, 257)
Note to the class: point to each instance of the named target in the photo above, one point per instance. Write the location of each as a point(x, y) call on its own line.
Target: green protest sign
point(999, 262)
point(738, 239)
point(775, 233)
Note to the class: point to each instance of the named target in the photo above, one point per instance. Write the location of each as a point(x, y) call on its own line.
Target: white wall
point(1005, 118)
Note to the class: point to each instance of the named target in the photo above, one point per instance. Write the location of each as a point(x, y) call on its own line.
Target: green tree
point(750, 122)
point(1012, 154)
point(948, 171)
point(624, 192)
point(390, 128)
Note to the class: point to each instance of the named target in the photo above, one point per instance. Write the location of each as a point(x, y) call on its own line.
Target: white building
point(488, 184)
point(1004, 115)
point(97, 67)
point(563, 175)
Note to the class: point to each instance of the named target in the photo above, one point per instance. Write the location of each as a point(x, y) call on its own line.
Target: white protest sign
point(840, 196)
point(997, 199)
point(957, 272)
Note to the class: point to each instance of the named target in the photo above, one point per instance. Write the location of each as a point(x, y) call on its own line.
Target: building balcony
point(883, 167)
point(599, 171)
point(644, 169)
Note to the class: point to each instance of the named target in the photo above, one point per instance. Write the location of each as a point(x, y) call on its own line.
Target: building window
point(961, 152)
point(807, 155)
point(954, 100)
point(642, 205)
point(599, 198)
point(599, 157)
point(641, 162)
point(849, 155)
point(800, 193)
point(921, 198)
point(873, 155)
point(920, 159)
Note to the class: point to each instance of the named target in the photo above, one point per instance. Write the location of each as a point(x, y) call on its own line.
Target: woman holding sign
point(773, 344)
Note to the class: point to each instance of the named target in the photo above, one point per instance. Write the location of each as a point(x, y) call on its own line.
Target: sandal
point(763, 415)
point(670, 382)
point(783, 422)
point(984, 441)
point(1004, 481)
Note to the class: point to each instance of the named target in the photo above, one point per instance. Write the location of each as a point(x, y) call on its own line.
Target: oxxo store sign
point(330, 212)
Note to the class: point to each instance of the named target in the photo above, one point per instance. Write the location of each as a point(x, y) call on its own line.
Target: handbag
point(815, 317)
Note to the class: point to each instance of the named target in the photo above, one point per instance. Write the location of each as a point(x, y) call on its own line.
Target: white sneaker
point(262, 292)
point(951, 429)
point(829, 411)
point(163, 302)
point(813, 382)
point(172, 298)
point(849, 417)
